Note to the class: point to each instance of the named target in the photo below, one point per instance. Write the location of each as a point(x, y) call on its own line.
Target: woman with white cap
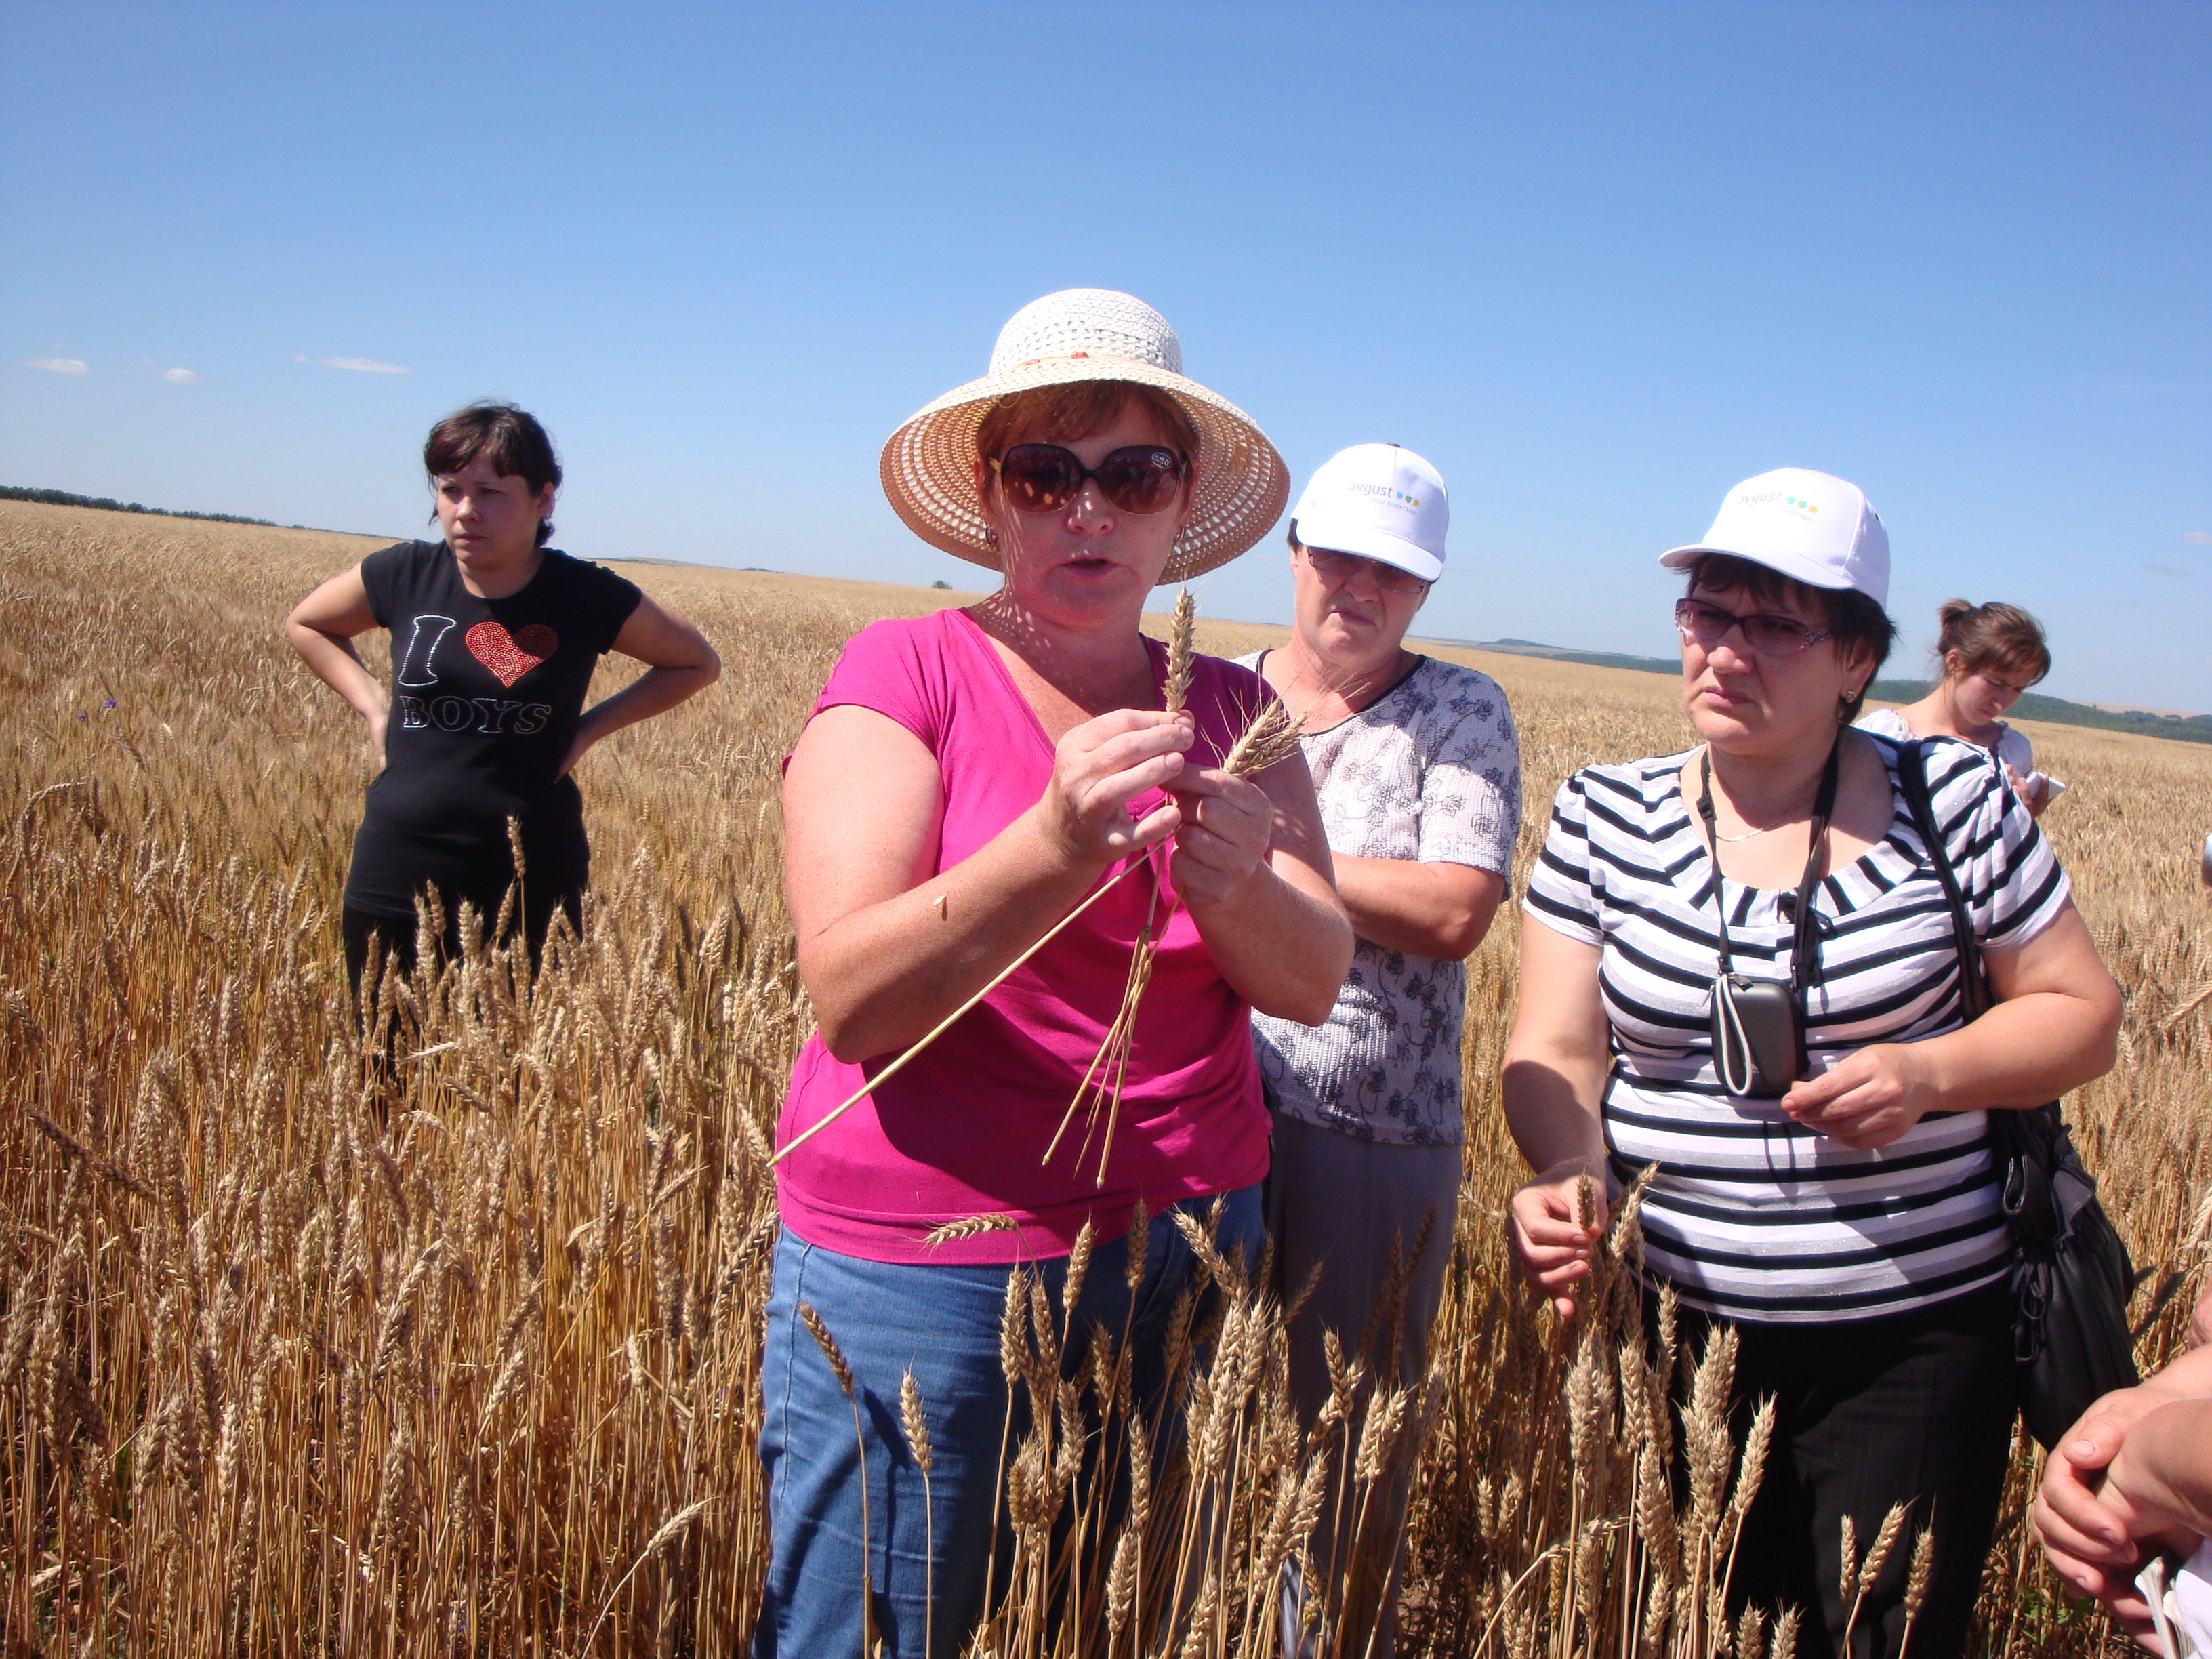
point(966, 781)
point(1418, 773)
point(1739, 971)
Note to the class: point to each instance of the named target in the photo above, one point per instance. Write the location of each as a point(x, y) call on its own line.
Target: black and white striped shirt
point(1751, 1214)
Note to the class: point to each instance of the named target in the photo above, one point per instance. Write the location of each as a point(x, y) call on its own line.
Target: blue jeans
point(924, 1567)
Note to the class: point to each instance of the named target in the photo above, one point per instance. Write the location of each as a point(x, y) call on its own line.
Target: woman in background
point(1418, 773)
point(1989, 654)
point(494, 636)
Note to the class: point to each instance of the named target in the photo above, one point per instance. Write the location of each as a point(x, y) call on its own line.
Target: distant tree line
point(63, 498)
point(2033, 706)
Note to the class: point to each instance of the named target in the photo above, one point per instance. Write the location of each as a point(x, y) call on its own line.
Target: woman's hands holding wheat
point(1098, 768)
point(1227, 827)
point(1554, 1223)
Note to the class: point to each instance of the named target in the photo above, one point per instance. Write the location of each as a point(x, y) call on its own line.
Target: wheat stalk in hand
point(1101, 1082)
point(1178, 685)
point(945, 1024)
point(1271, 736)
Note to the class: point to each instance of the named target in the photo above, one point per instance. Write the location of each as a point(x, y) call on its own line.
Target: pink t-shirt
point(963, 1130)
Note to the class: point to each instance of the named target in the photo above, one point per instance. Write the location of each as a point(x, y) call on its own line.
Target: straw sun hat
point(1086, 334)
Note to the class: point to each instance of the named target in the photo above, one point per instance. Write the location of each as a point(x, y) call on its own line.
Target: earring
point(1844, 710)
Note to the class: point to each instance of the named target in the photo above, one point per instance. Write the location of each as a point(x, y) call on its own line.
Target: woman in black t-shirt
point(494, 636)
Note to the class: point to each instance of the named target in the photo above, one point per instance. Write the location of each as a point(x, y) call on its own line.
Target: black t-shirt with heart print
point(485, 698)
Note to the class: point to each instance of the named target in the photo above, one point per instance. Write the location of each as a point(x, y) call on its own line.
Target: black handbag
point(2071, 1277)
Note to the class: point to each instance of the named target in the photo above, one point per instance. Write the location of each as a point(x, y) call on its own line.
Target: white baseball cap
point(1379, 501)
point(1808, 526)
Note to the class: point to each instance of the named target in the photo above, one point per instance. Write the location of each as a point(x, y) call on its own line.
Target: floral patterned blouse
point(1430, 770)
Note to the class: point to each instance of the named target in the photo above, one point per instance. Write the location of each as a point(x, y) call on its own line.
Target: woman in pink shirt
point(965, 781)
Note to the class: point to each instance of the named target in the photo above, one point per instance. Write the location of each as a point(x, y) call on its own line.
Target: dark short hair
point(1993, 635)
point(511, 438)
point(1858, 626)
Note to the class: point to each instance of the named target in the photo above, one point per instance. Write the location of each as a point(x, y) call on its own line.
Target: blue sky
point(1597, 262)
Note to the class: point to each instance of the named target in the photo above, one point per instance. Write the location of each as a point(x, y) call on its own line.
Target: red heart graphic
point(510, 656)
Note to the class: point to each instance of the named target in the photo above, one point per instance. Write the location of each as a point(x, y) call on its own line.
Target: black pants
point(1914, 1407)
point(397, 934)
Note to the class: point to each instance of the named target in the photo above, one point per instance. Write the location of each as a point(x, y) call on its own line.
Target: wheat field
point(300, 1355)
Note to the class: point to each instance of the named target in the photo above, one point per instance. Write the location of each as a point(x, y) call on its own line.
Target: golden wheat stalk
point(1101, 1069)
point(1856, 1587)
point(1270, 737)
point(669, 1531)
point(1102, 1082)
point(1137, 862)
point(915, 1422)
point(972, 1226)
point(843, 1373)
point(1916, 1584)
point(1177, 690)
point(1892, 1524)
point(2189, 1004)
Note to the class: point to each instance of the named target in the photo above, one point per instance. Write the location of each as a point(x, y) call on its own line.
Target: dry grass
point(293, 1359)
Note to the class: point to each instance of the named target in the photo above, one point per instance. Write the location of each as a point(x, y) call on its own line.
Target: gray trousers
point(1345, 1216)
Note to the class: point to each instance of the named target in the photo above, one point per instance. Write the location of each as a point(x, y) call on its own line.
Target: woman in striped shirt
point(1823, 1182)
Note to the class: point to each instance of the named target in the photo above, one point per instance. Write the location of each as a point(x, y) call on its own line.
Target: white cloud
point(179, 376)
point(60, 365)
point(362, 365)
point(2197, 538)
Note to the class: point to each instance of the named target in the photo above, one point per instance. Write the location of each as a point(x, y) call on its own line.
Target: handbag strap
point(2026, 1145)
point(1974, 998)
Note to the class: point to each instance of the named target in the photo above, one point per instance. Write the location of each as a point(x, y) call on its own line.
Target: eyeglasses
point(1045, 477)
point(1769, 635)
point(1337, 569)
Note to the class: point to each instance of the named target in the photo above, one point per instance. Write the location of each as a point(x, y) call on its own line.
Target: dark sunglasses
point(1336, 568)
point(1769, 635)
point(1045, 477)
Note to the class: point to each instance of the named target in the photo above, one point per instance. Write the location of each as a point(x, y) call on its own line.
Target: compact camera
point(1759, 1037)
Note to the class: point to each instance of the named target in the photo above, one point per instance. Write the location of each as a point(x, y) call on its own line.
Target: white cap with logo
point(1378, 501)
point(1808, 526)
